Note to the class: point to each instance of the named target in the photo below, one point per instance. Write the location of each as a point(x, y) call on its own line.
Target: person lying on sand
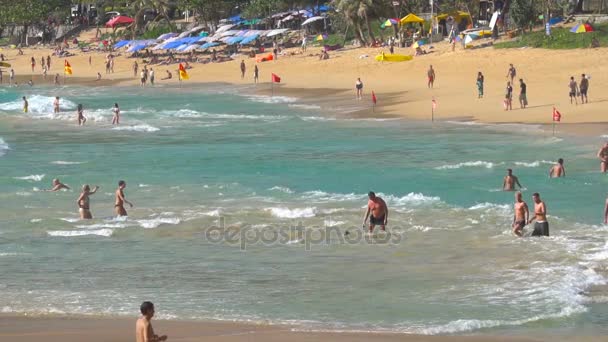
point(143, 327)
point(57, 185)
point(168, 77)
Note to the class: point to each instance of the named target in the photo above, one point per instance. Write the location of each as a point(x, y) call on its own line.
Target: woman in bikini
point(83, 202)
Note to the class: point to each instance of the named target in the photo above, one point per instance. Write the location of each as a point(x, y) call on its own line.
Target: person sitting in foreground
point(143, 327)
point(419, 51)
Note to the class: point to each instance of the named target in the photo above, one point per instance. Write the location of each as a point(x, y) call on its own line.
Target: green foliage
point(156, 31)
point(561, 38)
point(523, 13)
point(263, 8)
point(28, 12)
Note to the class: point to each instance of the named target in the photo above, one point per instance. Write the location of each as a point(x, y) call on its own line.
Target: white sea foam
point(71, 233)
point(304, 106)
point(281, 189)
point(39, 106)
point(271, 99)
point(63, 162)
point(478, 163)
point(3, 147)
point(156, 222)
point(35, 220)
point(35, 178)
point(332, 223)
point(287, 213)
point(102, 225)
point(70, 219)
point(411, 199)
point(137, 128)
point(535, 163)
point(317, 118)
point(213, 213)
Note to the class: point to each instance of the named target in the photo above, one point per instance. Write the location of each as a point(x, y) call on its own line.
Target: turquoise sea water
point(277, 175)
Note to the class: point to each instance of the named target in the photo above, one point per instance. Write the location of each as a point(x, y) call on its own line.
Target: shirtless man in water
point(119, 204)
point(143, 327)
point(558, 169)
point(57, 185)
point(541, 227)
point(379, 212)
point(83, 202)
point(603, 155)
point(521, 215)
point(509, 182)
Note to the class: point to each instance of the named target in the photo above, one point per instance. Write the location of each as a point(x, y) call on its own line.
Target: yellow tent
point(458, 16)
point(411, 18)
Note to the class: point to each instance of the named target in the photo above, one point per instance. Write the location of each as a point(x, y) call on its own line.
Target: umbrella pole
point(272, 87)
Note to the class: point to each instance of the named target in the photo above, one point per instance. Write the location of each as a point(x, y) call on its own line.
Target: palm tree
point(160, 6)
point(349, 10)
point(363, 10)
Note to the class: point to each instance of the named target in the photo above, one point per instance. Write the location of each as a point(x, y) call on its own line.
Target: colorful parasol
point(321, 37)
point(390, 22)
point(580, 28)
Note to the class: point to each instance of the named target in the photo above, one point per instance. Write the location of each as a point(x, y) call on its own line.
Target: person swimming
point(56, 185)
point(83, 202)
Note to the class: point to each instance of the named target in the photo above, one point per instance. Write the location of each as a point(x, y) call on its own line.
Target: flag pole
point(271, 86)
point(553, 127)
point(433, 110)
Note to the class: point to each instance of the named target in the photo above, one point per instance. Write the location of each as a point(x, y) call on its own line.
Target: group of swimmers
point(83, 201)
point(377, 210)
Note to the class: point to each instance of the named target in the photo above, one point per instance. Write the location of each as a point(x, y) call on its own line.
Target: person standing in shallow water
point(119, 203)
point(359, 88)
point(509, 182)
point(377, 212)
point(83, 202)
point(115, 114)
point(521, 214)
point(558, 170)
point(541, 227)
point(80, 113)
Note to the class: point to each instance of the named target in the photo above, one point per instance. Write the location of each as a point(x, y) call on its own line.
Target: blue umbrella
point(208, 45)
point(135, 48)
point(249, 39)
point(121, 44)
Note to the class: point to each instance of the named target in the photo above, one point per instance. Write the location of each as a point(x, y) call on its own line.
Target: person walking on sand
point(431, 76)
point(243, 68)
point(143, 327)
point(56, 105)
point(523, 99)
point(119, 203)
point(480, 80)
point(142, 78)
point(603, 155)
point(521, 214)
point(80, 113)
point(511, 73)
point(83, 202)
point(135, 68)
point(48, 61)
point(509, 182)
point(42, 63)
point(25, 105)
point(558, 170)
point(509, 97)
point(378, 210)
point(116, 114)
point(584, 87)
point(573, 90)
point(256, 74)
point(541, 227)
point(33, 64)
point(11, 77)
point(359, 88)
point(56, 80)
point(90, 60)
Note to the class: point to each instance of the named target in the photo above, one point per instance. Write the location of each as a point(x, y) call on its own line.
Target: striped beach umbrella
point(581, 28)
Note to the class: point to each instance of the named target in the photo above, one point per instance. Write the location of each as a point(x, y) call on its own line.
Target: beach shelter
point(120, 20)
point(312, 20)
point(166, 36)
point(122, 43)
point(411, 18)
point(459, 16)
point(582, 28)
point(249, 39)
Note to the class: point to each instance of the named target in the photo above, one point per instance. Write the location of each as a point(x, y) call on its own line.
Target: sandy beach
point(67, 329)
point(400, 87)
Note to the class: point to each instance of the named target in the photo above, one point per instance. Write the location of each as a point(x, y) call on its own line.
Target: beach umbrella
point(468, 39)
point(321, 37)
point(276, 32)
point(581, 28)
point(120, 20)
point(249, 39)
point(135, 48)
point(208, 45)
point(121, 44)
point(390, 22)
point(166, 36)
point(418, 44)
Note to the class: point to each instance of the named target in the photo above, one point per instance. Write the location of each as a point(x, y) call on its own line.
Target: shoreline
point(334, 101)
point(68, 328)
